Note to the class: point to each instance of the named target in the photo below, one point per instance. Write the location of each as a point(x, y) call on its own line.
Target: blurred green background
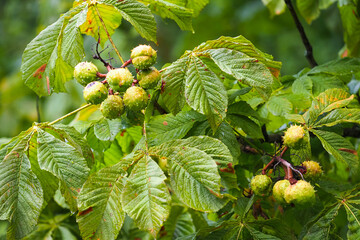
point(21, 21)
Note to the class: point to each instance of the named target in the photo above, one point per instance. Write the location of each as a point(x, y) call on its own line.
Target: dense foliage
point(217, 144)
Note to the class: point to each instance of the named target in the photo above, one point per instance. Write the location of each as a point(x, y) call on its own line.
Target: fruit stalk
point(70, 113)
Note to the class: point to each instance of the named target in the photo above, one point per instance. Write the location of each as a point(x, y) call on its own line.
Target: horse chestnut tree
point(215, 145)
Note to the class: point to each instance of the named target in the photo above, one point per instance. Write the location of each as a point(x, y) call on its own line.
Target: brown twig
point(309, 51)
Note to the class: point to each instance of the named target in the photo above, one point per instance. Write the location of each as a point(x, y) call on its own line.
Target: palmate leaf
point(100, 210)
point(168, 127)
point(145, 197)
point(53, 51)
point(97, 15)
point(325, 102)
point(339, 147)
point(138, 15)
point(170, 9)
point(21, 195)
point(194, 172)
point(65, 162)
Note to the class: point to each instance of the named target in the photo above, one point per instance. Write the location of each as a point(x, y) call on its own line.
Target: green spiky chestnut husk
point(294, 136)
point(301, 193)
point(85, 72)
point(279, 190)
point(95, 92)
point(148, 78)
point(313, 170)
point(119, 79)
point(112, 107)
point(143, 56)
point(135, 98)
point(261, 185)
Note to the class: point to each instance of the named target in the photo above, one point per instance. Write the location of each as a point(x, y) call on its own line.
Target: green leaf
point(245, 125)
point(341, 67)
point(106, 130)
point(170, 9)
point(303, 153)
point(138, 15)
point(339, 147)
point(97, 16)
point(48, 57)
point(21, 194)
point(65, 162)
point(244, 68)
point(276, 7)
point(295, 118)
point(194, 175)
point(179, 224)
point(325, 102)
point(353, 216)
point(241, 44)
point(351, 25)
point(257, 235)
point(218, 151)
point(173, 85)
point(196, 6)
point(302, 85)
point(204, 92)
point(168, 127)
point(309, 9)
point(226, 134)
point(243, 206)
point(279, 106)
point(145, 197)
point(337, 116)
point(100, 211)
point(319, 228)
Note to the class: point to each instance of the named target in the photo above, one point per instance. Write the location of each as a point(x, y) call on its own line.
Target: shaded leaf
point(353, 216)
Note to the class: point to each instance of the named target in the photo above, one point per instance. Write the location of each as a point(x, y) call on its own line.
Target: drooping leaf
point(173, 85)
point(145, 197)
point(244, 124)
point(226, 134)
point(64, 161)
point(276, 7)
point(351, 24)
point(339, 147)
point(325, 102)
point(97, 16)
point(100, 211)
point(259, 235)
point(170, 9)
point(309, 9)
point(51, 53)
point(138, 15)
point(168, 127)
point(204, 92)
point(21, 194)
point(196, 6)
point(319, 228)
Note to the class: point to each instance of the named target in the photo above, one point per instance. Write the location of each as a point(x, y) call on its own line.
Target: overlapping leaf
point(145, 197)
point(192, 163)
point(171, 9)
point(53, 51)
point(339, 147)
point(21, 195)
point(138, 15)
point(337, 116)
point(168, 127)
point(100, 209)
point(64, 161)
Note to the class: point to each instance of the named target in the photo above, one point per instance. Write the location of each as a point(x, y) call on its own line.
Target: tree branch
point(309, 52)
